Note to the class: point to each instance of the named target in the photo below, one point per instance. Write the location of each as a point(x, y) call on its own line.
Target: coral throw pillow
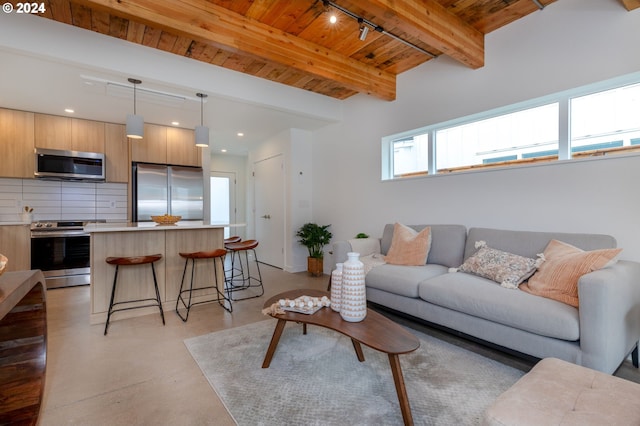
point(409, 247)
point(557, 278)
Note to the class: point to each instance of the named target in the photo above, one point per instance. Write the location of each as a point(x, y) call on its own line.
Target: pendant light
point(135, 123)
point(202, 131)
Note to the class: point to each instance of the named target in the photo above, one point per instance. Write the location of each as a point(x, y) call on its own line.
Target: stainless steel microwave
point(69, 165)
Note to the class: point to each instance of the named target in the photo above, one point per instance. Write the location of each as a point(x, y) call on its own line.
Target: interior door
point(269, 187)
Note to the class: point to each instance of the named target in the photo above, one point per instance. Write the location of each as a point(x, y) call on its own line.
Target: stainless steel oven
point(61, 251)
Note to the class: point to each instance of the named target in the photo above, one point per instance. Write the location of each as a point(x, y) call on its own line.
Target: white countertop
point(152, 226)
point(15, 223)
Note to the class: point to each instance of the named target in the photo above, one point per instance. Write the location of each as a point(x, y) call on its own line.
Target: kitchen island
point(135, 282)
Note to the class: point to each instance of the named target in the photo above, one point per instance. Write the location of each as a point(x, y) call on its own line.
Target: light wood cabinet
point(15, 244)
point(87, 135)
point(152, 148)
point(116, 149)
point(56, 132)
point(181, 148)
point(16, 144)
point(52, 132)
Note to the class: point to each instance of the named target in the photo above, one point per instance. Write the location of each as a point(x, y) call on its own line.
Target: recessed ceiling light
point(240, 134)
point(175, 123)
point(333, 19)
point(223, 150)
point(69, 110)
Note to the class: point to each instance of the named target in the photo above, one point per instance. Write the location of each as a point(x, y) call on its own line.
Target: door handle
point(266, 216)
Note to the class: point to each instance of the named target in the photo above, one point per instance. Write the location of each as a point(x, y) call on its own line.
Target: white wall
point(568, 44)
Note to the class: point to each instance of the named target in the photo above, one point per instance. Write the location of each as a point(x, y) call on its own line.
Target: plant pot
point(315, 266)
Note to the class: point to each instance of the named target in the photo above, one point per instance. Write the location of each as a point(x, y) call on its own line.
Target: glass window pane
point(523, 134)
point(410, 155)
point(220, 196)
point(608, 119)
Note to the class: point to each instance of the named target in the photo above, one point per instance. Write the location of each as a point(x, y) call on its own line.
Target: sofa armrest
point(609, 315)
point(340, 250)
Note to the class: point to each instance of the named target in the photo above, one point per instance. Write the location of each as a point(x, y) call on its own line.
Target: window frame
point(563, 99)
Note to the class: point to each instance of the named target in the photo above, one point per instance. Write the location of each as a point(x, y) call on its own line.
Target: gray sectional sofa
point(599, 335)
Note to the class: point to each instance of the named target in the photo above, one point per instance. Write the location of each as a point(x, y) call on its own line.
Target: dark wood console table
point(23, 346)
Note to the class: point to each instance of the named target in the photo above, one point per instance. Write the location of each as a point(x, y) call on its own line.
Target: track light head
point(364, 30)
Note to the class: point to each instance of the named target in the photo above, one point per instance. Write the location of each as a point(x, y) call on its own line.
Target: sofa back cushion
point(530, 243)
point(447, 243)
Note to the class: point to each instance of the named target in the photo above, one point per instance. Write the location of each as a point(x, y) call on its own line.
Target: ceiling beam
point(224, 29)
point(631, 4)
point(434, 25)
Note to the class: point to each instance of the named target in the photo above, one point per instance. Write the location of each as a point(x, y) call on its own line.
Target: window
point(410, 155)
point(606, 120)
point(601, 119)
point(519, 135)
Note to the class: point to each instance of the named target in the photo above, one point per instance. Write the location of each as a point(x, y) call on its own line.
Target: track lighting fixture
point(364, 30)
point(365, 25)
point(135, 123)
point(202, 131)
point(327, 9)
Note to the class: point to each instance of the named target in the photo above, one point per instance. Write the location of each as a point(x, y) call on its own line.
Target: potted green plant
point(314, 237)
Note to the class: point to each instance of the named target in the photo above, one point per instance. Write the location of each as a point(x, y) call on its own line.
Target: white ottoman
point(557, 392)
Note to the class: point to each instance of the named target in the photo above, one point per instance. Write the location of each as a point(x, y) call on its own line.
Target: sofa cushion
point(530, 243)
point(558, 277)
point(409, 247)
point(482, 298)
point(401, 280)
point(447, 243)
point(505, 268)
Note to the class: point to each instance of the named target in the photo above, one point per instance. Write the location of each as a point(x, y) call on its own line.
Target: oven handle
point(49, 234)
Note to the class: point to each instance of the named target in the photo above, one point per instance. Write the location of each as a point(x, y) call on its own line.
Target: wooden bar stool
point(230, 240)
point(245, 279)
point(215, 255)
point(129, 261)
point(234, 239)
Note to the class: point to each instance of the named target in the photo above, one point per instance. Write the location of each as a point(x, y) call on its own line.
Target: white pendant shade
point(135, 126)
point(202, 136)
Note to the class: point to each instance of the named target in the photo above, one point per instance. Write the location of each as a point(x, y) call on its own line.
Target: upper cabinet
point(166, 145)
point(55, 132)
point(16, 144)
point(181, 148)
point(87, 135)
point(21, 132)
point(116, 150)
point(52, 132)
point(152, 148)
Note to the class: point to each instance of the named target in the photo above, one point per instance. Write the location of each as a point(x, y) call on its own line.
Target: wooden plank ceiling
point(292, 41)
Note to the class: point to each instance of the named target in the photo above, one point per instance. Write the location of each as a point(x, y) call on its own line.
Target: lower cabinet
point(15, 244)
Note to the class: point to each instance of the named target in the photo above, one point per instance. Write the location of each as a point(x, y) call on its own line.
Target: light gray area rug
point(316, 379)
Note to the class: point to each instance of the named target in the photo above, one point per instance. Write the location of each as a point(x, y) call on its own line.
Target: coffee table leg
point(358, 349)
point(396, 370)
point(274, 343)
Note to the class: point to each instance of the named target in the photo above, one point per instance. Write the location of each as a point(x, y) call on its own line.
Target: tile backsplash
point(62, 200)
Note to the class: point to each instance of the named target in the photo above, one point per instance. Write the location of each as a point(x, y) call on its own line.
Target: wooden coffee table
point(376, 331)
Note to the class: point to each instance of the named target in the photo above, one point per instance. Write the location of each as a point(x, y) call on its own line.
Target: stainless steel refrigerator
point(159, 189)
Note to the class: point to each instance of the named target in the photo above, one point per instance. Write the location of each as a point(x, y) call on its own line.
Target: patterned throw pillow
point(409, 247)
point(558, 277)
point(505, 268)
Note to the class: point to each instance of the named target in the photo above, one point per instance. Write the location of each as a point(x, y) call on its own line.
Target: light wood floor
point(142, 374)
